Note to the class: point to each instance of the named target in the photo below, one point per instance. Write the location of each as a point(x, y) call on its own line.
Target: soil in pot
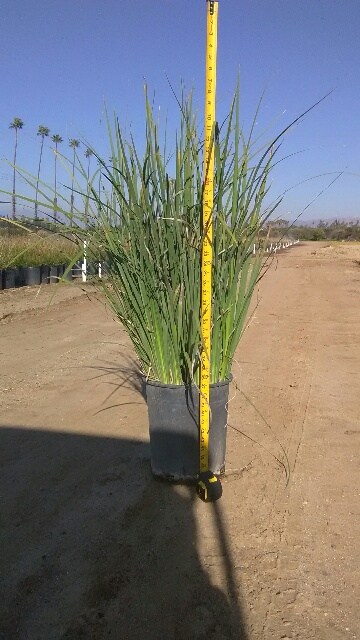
point(174, 430)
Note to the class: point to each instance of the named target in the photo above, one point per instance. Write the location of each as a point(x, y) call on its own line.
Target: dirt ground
point(92, 547)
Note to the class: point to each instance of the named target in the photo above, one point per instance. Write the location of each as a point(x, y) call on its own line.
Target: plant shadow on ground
point(128, 376)
point(94, 547)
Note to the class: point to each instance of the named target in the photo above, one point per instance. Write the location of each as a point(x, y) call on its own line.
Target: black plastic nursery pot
point(77, 270)
point(1, 279)
point(45, 274)
point(19, 276)
point(54, 274)
point(92, 269)
point(67, 275)
point(9, 277)
point(174, 429)
point(32, 276)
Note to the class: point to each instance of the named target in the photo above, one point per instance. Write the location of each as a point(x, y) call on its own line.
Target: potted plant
point(147, 228)
point(9, 272)
point(27, 257)
point(9, 278)
point(32, 274)
point(149, 231)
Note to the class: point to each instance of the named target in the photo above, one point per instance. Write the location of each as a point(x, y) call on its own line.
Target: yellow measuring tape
point(209, 487)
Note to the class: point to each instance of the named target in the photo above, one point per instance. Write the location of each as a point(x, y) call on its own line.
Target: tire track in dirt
point(278, 621)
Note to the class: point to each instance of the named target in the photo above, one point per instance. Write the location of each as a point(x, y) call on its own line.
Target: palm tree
point(74, 144)
point(88, 154)
point(57, 140)
point(16, 124)
point(43, 132)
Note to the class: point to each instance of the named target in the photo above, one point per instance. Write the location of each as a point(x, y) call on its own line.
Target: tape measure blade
point(206, 254)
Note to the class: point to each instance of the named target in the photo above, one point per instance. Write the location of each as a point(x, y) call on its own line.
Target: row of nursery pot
point(45, 274)
point(34, 275)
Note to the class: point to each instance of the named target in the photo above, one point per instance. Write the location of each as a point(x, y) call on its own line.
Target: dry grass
point(33, 249)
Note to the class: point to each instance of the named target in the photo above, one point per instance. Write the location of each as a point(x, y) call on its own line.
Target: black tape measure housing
point(209, 487)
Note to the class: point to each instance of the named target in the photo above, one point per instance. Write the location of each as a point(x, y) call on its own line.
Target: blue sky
point(61, 60)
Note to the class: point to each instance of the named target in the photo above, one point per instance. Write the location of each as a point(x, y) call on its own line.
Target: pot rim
point(157, 383)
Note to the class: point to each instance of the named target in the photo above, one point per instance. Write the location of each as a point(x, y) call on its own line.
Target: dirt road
point(93, 548)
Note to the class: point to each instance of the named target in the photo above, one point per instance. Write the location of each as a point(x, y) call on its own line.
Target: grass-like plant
point(151, 234)
point(146, 225)
point(34, 249)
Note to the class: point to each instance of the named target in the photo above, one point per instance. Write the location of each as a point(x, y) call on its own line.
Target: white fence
point(84, 265)
point(274, 247)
